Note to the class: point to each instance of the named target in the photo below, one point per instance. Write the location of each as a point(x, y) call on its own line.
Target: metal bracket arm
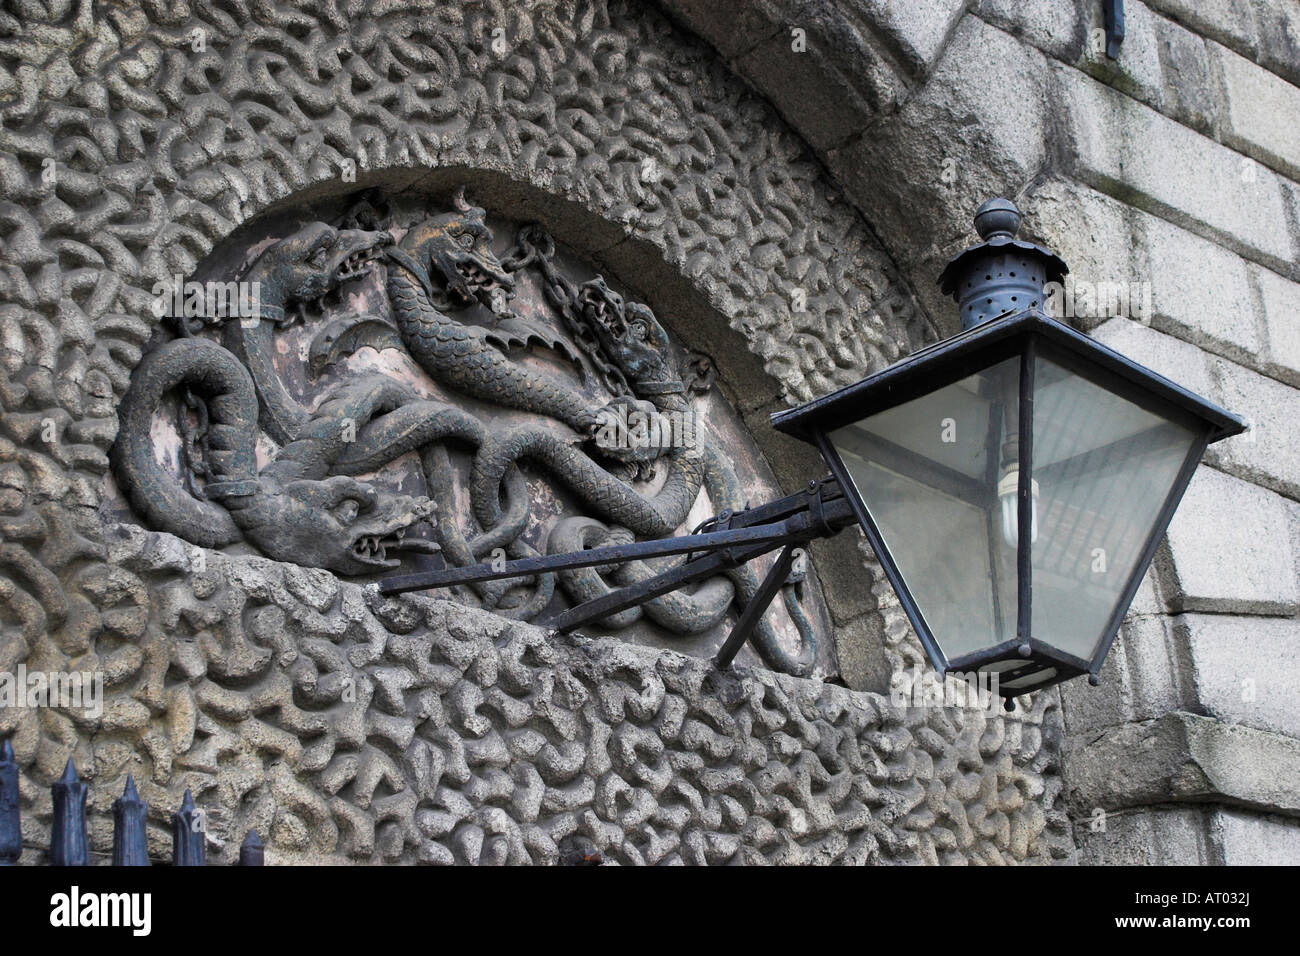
point(818, 512)
point(788, 518)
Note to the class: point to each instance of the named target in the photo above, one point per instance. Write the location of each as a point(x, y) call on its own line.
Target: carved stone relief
point(403, 385)
point(291, 701)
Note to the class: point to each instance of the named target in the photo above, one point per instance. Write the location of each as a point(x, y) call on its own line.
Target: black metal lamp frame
point(1025, 335)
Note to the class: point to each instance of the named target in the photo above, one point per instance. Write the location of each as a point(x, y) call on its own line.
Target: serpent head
point(457, 248)
point(628, 333)
point(304, 266)
point(337, 523)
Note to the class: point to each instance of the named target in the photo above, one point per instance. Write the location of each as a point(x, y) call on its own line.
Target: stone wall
point(1175, 166)
point(135, 138)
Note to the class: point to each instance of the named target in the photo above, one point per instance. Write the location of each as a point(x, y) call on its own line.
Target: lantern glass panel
point(1102, 468)
point(928, 471)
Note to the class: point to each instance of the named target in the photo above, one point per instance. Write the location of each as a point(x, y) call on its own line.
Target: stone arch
point(201, 150)
point(170, 125)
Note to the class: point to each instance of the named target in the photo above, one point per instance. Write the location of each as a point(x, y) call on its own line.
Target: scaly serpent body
point(460, 356)
point(293, 510)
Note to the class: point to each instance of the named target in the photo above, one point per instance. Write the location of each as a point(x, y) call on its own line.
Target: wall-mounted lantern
point(1014, 481)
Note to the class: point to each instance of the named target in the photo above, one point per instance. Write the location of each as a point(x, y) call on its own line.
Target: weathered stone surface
point(1199, 290)
point(970, 133)
point(1085, 708)
point(1178, 272)
point(1145, 674)
point(860, 649)
point(1293, 520)
point(1248, 839)
point(1178, 173)
point(561, 126)
point(1228, 21)
point(1204, 837)
point(1058, 29)
point(1143, 837)
point(1256, 99)
point(832, 79)
point(1096, 235)
point(1148, 599)
point(845, 556)
point(1160, 62)
point(1278, 26)
point(1190, 91)
point(1183, 757)
point(346, 728)
point(735, 29)
point(1280, 300)
point(423, 731)
point(1143, 682)
point(914, 33)
point(1138, 71)
point(1269, 453)
point(918, 30)
point(1178, 361)
point(1244, 669)
point(1228, 549)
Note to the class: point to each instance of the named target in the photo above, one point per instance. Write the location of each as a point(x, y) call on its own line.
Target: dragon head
point(315, 260)
point(628, 332)
point(458, 249)
point(337, 523)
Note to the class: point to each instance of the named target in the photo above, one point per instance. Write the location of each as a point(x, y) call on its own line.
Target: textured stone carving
point(160, 150)
point(304, 505)
point(293, 509)
point(420, 730)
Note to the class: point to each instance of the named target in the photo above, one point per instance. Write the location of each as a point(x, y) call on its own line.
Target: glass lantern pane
point(928, 471)
point(1102, 469)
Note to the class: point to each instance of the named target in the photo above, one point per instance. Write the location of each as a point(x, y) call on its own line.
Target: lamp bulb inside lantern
point(1008, 491)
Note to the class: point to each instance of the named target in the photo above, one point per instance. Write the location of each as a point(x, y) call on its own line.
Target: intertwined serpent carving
point(304, 505)
point(162, 149)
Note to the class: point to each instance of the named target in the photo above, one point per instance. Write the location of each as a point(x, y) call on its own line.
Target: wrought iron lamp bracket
point(726, 540)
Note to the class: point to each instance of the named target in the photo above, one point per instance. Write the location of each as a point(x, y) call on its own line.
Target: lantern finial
point(996, 218)
point(1002, 274)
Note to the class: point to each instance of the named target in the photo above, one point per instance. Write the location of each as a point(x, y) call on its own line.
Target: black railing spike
point(251, 851)
point(130, 846)
point(11, 830)
point(187, 834)
point(68, 843)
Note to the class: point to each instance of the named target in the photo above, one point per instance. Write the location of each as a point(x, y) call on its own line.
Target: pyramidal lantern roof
point(1015, 479)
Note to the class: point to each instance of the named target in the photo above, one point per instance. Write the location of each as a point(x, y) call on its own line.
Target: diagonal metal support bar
point(639, 593)
point(755, 609)
point(612, 554)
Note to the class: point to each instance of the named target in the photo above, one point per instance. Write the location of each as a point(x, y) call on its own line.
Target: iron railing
point(69, 845)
